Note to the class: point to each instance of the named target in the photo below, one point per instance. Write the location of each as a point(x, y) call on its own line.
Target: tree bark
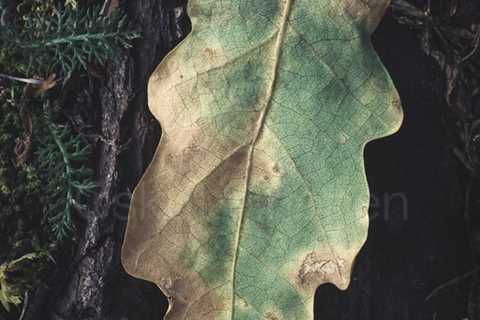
point(94, 286)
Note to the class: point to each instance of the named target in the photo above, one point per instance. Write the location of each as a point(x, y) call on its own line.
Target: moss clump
point(16, 276)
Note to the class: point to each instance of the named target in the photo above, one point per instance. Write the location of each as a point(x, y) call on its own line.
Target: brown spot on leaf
point(315, 266)
point(211, 54)
point(271, 316)
point(266, 174)
point(276, 168)
point(322, 267)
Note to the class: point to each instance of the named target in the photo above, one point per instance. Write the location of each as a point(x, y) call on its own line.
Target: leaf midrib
point(258, 129)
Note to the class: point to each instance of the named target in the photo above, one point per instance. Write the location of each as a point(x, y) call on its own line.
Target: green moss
point(16, 278)
point(20, 185)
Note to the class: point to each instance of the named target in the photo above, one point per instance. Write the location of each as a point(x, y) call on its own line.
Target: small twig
point(105, 6)
point(452, 282)
point(475, 47)
point(24, 80)
point(25, 306)
point(108, 7)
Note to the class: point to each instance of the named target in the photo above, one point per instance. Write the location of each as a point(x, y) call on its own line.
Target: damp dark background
point(417, 240)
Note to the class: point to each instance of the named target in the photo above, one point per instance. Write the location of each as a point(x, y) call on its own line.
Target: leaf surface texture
point(257, 193)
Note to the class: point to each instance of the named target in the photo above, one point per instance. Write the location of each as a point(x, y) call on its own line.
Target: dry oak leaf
point(257, 193)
